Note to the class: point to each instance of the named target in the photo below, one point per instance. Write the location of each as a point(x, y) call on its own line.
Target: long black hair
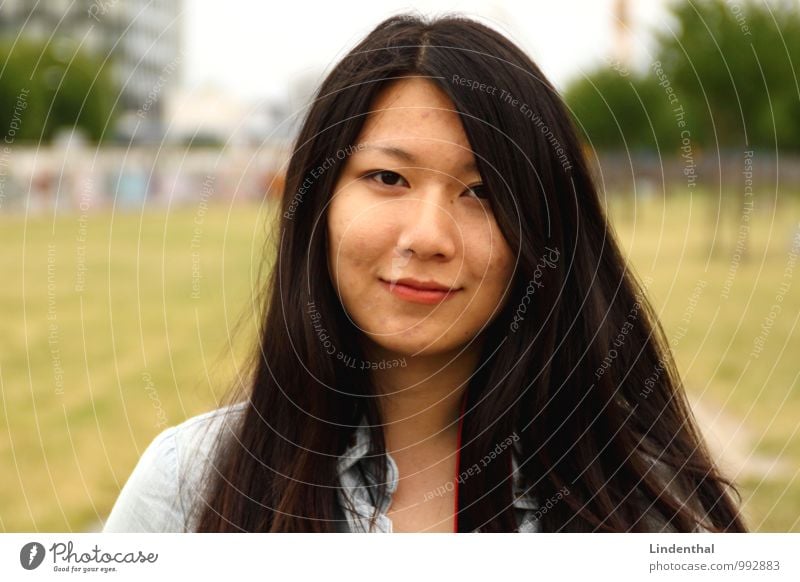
point(576, 363)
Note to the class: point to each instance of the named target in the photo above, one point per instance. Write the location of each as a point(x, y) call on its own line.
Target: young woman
point(451, 339)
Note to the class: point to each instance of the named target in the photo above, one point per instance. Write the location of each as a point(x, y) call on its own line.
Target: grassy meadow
point(107, 340)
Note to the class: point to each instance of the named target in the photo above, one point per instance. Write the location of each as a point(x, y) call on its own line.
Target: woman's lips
point(414, 295)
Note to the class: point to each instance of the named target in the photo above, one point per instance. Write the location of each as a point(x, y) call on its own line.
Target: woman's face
point(408, 211)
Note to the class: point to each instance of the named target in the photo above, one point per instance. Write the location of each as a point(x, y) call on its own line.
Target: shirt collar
point(357, 451)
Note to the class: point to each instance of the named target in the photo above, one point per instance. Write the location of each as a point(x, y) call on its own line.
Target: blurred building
point(207, 115)
point(141, 39)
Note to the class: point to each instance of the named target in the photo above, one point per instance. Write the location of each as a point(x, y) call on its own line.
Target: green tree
point(734, 65)
point(60, 88)
point(621, 111)
point(729, 64)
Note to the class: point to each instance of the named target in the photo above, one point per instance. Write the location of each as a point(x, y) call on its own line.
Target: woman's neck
point(421, 401)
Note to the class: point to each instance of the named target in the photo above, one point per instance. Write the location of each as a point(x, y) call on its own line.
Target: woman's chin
point(418, 346)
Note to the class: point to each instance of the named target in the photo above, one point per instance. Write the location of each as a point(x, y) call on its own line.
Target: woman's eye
point(479, 191)
point(387, 178)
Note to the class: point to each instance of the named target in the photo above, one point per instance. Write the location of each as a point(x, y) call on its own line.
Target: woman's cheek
point(494, 271)
point(339, 229)
point(490, 251)
point(360, 237)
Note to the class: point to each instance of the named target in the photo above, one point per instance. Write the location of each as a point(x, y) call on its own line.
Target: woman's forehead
point(413, 120)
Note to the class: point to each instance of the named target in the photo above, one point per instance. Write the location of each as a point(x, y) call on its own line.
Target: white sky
point(255, 48)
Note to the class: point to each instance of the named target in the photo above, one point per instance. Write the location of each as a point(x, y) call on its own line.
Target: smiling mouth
point(413, 294)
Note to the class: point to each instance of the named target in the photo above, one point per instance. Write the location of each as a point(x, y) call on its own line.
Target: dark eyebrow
point(405, 156)
point(398, 153)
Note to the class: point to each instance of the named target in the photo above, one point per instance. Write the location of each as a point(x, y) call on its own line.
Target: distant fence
point(64, 178)
point(710, 172)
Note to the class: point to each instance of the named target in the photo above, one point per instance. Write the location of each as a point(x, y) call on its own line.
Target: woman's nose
point(429, 228)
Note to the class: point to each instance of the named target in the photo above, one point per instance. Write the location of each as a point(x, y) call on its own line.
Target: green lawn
point(136, 348)
point(141, 329)
point(712, 307)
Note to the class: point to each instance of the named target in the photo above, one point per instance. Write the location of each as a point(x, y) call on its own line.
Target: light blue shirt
point(162, 492)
